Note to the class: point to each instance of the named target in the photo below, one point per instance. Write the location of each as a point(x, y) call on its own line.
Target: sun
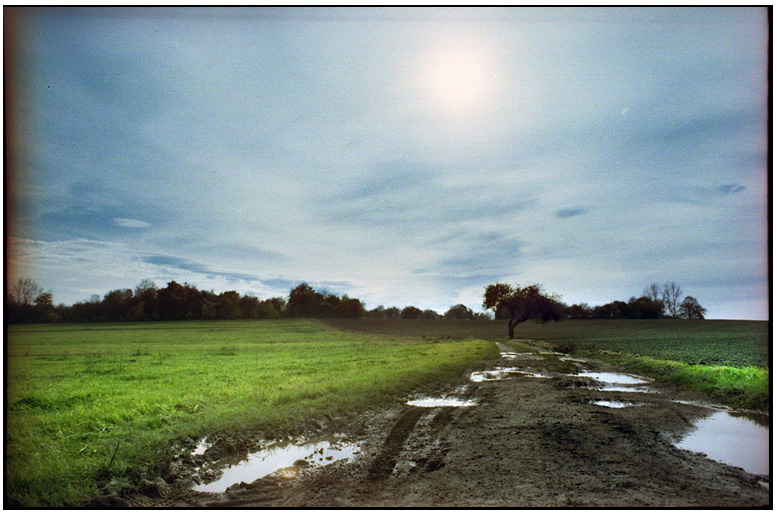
point(460, 80)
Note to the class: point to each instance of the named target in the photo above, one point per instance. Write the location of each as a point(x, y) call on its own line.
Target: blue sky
point(404, 156)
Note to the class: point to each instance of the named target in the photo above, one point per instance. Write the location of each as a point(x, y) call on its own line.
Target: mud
point(535, 438)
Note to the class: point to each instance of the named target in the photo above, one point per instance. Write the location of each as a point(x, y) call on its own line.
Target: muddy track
point(531, 441)
point(384, 464)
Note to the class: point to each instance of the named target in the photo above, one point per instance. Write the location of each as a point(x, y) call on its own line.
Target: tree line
point(656, 301)
point(520, 304)
point(27, 302)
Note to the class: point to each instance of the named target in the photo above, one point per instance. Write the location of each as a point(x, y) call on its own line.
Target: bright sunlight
point(461, 79)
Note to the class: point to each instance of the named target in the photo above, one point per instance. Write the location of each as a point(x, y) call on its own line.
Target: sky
point(403, 156)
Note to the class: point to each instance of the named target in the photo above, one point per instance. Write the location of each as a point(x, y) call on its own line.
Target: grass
point(738, 387)
point(726, 359)
point(89, 404)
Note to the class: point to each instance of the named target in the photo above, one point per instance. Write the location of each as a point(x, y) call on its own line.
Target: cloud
point(709, 127)
point(172, 263)
point(729, 189)
point(569, 212)
point(129, 222)
point(243, 149)
point(75, 269)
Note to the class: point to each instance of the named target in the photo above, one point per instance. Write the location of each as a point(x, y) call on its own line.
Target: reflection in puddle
point(490, 375)
point(431, 402)
point(514, 355)
point(615, 382)
point(611, 377)
point(286, 457)
point(626, 389)
point(201, 448)
point(708, 405)
point(617, 404)
point(500, 373)
point(733, 438)
point(531, 374)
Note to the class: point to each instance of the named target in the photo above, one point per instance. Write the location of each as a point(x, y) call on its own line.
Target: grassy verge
point(88, 404)
point(738, 387)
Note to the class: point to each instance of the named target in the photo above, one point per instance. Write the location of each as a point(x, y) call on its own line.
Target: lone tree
point(691, 309)
point(527, 303)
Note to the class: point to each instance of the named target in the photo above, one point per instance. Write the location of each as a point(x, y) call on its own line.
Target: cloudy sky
point(399, 155)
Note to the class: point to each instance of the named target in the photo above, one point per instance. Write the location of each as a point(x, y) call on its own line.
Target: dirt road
point(528, 440)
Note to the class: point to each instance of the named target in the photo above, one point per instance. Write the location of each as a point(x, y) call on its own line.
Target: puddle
point(437, 402)
point(499, 374)
point(614, 378)
point(491, 375)
point(617, 404)
point(626, 389)
point(615, 382)
point(201, 448)
point(514, 355)
point(531, 374)
point(707, 405)
point(288, 458)
point(738, 439)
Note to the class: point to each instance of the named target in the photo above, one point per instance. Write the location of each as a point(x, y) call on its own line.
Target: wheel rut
point(387, 457)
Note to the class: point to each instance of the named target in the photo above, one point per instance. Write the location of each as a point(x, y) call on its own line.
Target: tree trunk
point(511, 327)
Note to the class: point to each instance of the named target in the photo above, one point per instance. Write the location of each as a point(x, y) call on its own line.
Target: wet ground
point(534, 429)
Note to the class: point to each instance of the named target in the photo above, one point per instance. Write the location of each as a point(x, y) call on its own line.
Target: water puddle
point(626, 389)
point(615, 382)
point(614, 378)
point(515, 355)
point(531, 374)
point(491, 375)
point(617, 404)
point(500, 373)
point(287, 458)
point(441, 402)
point(202, 446)
point(705, 405)
point(738, 439)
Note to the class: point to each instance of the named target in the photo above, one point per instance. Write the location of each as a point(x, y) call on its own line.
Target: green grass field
point(90, 403)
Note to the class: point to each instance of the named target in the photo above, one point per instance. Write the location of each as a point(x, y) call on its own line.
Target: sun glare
point(460, 79)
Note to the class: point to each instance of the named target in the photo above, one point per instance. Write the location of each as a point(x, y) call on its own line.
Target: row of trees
point(657, 301)
point(669, 296)
point(519, 304)
point(145, 302)
point(27, 302)
point(457, 312)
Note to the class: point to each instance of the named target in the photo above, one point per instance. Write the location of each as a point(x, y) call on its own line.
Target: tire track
point(387, 457)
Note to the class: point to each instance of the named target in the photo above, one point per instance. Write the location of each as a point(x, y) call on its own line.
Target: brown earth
point(529, 442)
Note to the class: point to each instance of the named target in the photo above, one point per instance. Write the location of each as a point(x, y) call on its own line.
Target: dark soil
point(529, 442)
